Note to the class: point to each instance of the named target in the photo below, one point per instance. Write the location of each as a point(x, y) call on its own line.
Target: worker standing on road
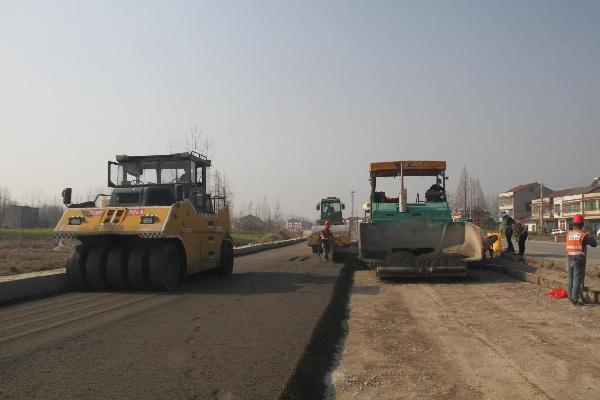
point(326, 239)
point(577, 242)
point(522, 232)
point(507, 228)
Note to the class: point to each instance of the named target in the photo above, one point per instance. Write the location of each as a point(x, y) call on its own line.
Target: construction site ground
point(286, 325)
point(552, 270)
point(488, 336)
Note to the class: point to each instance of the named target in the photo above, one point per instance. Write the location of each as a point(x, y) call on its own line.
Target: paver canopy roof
point(408, 168)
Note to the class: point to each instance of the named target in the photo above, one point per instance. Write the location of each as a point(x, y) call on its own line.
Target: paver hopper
point(423, 231)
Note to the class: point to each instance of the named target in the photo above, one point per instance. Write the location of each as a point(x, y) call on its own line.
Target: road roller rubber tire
point(116, 267)
point(95, 268)
point(76, 268)
point(163, 267)
point(136, 266)
point(226, 264)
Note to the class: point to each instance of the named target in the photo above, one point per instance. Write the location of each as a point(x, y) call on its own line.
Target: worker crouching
point(487, 243)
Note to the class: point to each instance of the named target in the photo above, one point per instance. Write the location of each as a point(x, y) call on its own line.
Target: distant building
point(21, 217)
point(559, 206)
point(517, 202)
point(251, 223)
point(582, 200)
point(294, 224)
point(548, 218)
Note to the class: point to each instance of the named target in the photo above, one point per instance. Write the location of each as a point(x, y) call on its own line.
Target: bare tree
point(461, 198)
point(5, 202)
point(198, 141)
point(194, 140)
point(277, 217)
point(469, 195)
point(477, 203)
point(493, 206)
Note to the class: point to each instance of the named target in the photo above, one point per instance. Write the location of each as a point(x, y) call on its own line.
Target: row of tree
point(48, 211)
point(270, 213)
point(470, 201)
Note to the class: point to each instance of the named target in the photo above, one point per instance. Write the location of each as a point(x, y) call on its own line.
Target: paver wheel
point(95, 268)
point(163, 267)
point(226, 263)
point(76, 268)
point(136, 266)
point(116, 267)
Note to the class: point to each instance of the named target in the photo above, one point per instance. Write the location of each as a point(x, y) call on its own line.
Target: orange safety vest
point(575, 243)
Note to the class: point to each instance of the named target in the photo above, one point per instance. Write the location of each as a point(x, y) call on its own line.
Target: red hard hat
point(328, 223)
point(578, 219)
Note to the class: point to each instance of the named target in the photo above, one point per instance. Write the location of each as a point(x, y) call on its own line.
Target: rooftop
point(524, 187)
point(575, 191)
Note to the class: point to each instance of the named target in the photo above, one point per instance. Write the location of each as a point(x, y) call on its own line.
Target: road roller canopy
point(188, 167)
point(407, 168)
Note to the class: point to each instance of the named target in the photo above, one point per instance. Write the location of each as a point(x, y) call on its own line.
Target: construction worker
point(326, 238)
point(436, 192)
point(522, 233)
point(488, 245)
point(507, 228)
point(577, 241)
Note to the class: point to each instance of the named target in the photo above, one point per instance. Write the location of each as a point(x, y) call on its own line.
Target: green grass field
point(27, 232)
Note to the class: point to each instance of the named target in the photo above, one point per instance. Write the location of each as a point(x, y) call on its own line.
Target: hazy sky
point(300, 96)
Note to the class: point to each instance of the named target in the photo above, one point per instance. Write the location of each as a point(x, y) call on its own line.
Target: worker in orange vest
point(577, 242)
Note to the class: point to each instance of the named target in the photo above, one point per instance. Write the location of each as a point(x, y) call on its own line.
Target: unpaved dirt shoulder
point(550, 269)
point(487, 337)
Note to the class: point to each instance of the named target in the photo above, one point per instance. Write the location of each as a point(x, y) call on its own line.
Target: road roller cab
point(159, 223)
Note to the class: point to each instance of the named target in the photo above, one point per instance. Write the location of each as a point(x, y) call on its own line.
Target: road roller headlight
point(75, 220)
point(148, 219)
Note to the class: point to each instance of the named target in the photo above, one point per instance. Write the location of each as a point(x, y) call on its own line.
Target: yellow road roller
point(158, 224)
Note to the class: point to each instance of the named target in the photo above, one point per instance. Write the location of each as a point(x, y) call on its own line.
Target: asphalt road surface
point(221, 338)
point(554, 250)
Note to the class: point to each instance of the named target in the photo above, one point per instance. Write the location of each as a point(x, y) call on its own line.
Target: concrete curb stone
point(506, 269)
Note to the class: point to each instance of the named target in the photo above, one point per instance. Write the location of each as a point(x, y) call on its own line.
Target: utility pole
point(541, 209)
point(352, 197)
point(465, 192)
